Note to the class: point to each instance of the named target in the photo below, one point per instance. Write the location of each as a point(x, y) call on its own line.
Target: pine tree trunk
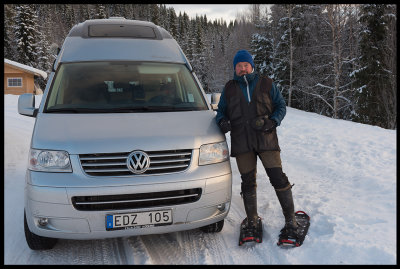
point(291, 57)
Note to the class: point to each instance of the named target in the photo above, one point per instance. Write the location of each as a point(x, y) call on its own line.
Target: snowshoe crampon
point(250, 234)
point(303, 222)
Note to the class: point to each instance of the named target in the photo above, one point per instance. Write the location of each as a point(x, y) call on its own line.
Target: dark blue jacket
point(277, 99)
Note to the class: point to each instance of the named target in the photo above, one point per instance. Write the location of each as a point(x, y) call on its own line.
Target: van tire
point(213, 228)
point(36, 242)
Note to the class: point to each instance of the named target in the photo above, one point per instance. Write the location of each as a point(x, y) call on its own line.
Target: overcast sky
point(226, 11)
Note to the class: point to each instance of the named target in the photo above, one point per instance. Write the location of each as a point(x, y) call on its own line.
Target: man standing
point(251, 107)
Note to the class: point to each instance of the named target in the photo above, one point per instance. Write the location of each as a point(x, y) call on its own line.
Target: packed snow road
point(345, 179)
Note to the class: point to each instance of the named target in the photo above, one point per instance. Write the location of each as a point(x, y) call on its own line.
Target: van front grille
point(137, 200)
point(115, 164)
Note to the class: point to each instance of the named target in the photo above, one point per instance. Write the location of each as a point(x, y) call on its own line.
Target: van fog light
point(221, 207)
point(43, 221)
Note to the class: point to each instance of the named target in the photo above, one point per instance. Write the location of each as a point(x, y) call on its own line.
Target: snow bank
point(345, 179)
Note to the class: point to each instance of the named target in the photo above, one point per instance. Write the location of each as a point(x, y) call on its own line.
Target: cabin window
point(14, 82)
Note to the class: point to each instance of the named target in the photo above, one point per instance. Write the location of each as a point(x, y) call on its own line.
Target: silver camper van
point(125, 142)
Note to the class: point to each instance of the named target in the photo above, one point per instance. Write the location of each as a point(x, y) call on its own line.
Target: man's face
point(243, 68)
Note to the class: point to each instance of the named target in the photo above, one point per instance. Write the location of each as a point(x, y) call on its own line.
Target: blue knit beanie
point(242, 56)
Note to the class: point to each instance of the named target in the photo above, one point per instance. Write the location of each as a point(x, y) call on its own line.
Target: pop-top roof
point(119, 39)
point(119, 27)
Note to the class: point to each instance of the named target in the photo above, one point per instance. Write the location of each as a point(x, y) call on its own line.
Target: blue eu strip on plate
point(109, 221)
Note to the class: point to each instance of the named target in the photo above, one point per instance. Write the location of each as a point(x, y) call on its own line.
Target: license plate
point(138, 220)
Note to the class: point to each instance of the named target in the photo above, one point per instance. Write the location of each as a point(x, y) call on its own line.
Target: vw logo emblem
point(138, 162)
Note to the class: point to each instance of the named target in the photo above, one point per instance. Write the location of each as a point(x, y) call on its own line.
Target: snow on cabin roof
point(27, 68)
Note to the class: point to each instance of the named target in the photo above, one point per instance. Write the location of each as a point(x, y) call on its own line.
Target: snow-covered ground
point(345, 179)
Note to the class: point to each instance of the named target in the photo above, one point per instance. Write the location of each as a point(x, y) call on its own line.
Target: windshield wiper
point(75, 110)
point(119, 109)
point(150, 109)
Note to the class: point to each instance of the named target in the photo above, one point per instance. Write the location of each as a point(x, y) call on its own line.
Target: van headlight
point(49, 160)
point(213, 153)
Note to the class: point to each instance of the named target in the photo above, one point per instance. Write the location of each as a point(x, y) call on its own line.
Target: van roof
point(119, 39)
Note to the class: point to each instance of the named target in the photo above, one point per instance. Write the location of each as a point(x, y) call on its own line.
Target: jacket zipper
point(248, 92)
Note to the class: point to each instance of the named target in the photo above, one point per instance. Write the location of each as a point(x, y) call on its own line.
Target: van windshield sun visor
point(120, 30)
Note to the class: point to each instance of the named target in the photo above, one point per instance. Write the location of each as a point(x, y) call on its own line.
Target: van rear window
point(121, 30)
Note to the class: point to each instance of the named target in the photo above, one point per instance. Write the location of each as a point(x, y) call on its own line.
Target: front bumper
point(65, 221)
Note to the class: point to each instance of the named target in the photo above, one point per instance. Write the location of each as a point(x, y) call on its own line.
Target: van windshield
point(108, 87)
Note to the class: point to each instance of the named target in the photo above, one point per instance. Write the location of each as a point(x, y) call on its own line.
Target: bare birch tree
point(338, 85)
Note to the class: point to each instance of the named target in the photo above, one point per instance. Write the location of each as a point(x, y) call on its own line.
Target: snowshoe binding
point(250, 232)
point(294, 237)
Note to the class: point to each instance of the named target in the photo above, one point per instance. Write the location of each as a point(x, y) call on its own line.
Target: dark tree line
point(32, 30)
point(335, 60)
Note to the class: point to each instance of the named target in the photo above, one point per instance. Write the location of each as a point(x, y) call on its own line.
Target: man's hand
point(224, 125)
point(269, 125)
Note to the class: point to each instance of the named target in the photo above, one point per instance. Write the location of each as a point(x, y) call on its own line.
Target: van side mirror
point(215, 100)
point(54, 50)
point(26, 105)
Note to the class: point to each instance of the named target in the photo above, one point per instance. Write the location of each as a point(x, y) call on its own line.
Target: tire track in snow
point(166, 249)
point(212, 245)
point(96, 252)
point(186, 247)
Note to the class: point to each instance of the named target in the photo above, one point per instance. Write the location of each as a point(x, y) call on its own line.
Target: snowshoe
point(249, 233)
point(290, 238)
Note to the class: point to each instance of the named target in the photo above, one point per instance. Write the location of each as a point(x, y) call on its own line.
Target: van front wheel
point(36, 242)
point(213, 228)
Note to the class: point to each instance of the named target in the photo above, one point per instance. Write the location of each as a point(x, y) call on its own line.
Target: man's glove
point(224, 125)
point(269, 125)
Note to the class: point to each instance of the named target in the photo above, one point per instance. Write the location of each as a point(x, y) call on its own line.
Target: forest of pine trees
point(337, 60)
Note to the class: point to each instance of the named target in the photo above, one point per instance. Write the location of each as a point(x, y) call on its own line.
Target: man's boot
point(282, 187)
point(249, 195)
point(250, 206)
point(251, 226)
point(286, 200)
